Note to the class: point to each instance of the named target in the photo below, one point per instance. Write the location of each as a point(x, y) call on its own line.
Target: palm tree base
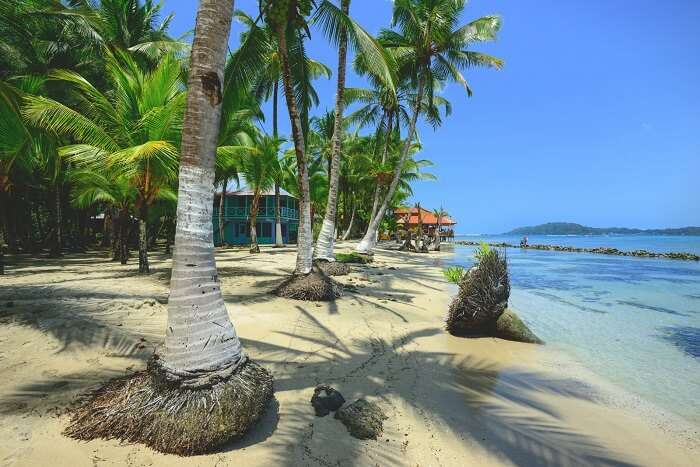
point(332, 268)
point(141, 408)
point(315, 286)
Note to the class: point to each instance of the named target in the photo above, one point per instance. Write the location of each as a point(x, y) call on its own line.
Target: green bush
point(352, 258)
point(454, 274)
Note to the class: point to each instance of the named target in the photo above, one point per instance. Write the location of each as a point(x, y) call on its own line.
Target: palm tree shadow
point(503, 411)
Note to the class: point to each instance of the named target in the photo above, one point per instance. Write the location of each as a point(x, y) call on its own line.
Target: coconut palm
point(432, 47)
point(258, 167)
point(133, 130)
point(256, 65)
point(117, 193)
point(284, 18)
point(201, 389)
point(341, 29)
point(15, 149)
point(439, 215)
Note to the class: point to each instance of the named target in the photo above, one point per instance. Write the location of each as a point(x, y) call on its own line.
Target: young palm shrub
point(132, 131)
point(454, 274)
point(481, 305)
point(117, 193)
point(200, 390)
point(483, 293)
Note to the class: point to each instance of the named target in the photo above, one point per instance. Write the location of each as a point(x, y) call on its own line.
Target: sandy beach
point(68, 325)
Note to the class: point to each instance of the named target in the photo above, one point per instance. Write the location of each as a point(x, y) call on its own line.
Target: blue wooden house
point(237, 205)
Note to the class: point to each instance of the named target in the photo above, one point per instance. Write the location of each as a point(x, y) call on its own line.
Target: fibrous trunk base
point(315, 286)
point(141, 408)
point(332, 268)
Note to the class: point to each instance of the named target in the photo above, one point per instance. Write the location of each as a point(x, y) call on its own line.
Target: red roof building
point(408, 217)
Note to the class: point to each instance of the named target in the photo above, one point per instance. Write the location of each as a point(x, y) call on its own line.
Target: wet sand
point(67, 325)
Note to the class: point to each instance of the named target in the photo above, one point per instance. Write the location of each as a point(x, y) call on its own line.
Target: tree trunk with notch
point(326, 238)
point(304, 235)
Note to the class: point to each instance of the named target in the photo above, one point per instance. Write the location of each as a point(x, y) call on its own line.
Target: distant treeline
point(568, 228)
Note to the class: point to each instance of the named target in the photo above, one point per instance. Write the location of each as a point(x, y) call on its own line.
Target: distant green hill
point(568, 228)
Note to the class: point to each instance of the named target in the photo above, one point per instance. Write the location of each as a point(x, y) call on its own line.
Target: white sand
point(81, 320)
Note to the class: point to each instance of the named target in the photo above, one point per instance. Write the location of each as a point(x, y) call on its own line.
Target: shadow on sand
point(498, 410)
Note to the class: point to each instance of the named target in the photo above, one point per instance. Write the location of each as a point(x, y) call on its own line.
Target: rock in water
point(363, 419)
point(326, 400)
point(508, 326)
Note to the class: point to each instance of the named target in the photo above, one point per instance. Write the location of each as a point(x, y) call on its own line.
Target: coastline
point(450, 401)
point(683, 256)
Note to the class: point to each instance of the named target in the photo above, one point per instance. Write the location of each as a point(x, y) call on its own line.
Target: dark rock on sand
point(363, 419)
point(326, 400)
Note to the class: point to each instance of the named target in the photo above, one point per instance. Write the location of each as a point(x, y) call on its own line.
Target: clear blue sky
point(594, 119)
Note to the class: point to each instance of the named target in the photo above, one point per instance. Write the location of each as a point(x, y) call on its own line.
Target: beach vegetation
point(353, 257)
point(454, 274)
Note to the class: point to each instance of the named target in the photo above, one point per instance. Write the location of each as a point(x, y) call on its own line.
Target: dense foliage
point(92, 97)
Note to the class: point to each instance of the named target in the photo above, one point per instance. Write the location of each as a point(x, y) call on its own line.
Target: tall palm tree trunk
point(3, 227)
point(304, 236)
point(222, 207)
point(279, 240)
point(107, 232)
point(385, 152)
point(324, 243)
point(57, 244)
point(254, 248)
point(201, 344)
point(143, 240)
point(368, 242)
point(346, 235)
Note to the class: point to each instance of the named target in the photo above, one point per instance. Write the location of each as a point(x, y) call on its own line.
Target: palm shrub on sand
point(200, 390)
point(480, 307)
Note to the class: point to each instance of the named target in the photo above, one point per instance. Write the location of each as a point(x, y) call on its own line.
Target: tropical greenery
point(103, 118)
point(454, 274)
point(100, 88)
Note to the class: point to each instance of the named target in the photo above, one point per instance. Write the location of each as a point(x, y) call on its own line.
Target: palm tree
point(117, 193)
point(340, 28)
point(15, 149)
point(258, 168)
point(432, 47)
point(283, 18)
point(439, 214)
point(132, 130)
point(201, 389)
point(256, 65)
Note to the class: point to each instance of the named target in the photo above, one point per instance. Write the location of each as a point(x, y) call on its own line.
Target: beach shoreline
point(81, 320)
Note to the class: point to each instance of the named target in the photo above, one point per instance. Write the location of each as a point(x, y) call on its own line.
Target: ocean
point(633, 321)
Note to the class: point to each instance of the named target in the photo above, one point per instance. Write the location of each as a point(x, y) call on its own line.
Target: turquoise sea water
point(634, 321)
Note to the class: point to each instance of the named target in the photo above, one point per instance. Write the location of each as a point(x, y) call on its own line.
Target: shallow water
point(634, 321)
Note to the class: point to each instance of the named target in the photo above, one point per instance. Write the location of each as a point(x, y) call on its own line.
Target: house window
point(266, 230)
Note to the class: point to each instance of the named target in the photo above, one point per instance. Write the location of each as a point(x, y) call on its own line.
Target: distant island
point(569, 228)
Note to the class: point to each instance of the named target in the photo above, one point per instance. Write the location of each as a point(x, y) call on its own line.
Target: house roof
point(245, 191)
point(426, 216)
